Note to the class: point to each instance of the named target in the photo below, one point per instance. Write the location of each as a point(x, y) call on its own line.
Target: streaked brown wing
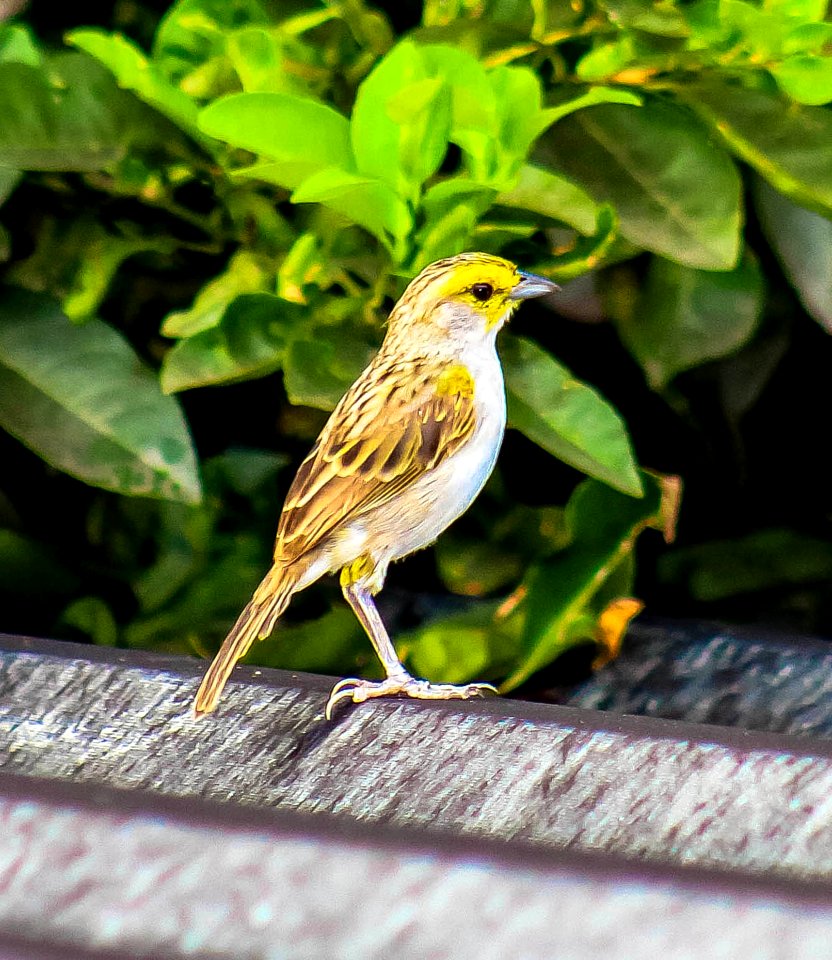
point(385, 433)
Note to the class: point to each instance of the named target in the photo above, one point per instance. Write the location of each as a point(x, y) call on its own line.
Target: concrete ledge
point(442, 829)
point(98, 874)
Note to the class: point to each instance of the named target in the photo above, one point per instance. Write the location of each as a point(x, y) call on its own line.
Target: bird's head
point(466, 297)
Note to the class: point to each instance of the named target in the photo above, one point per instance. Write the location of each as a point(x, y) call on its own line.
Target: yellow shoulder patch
point(456, 381)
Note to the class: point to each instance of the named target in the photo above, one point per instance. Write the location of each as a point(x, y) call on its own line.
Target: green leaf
point(443, 197)
point(401, 121)
point(522, 120)
point(807, 38)
point(80, 398)
point(552, 196)
point(304, 264)
point(452, 209)
point(246, 272)
point(755, 30)
point(329, 184)
point(255, 215)
point(593, 97)
point(607, 59)
point(448, 235)
point(66, 117)
point(686, 317)
point(785, 142)
point(806, 78)
point(559, 609)
point(135, 72)
point(370, 203)
point(249, 341)
point(799, 9)
point(98, 266)
point(256, 56)
point(451, 652)
point(259, 56)
point(566, 417)
point(409, 104)
point(476, 643)
point(76, 261)
point(92, 617)
point(664, 20)
point(708, 28)
point(193, 32)
point(183, 536)
point(17, 45)
point(587, 253)
point(319, 369)
point(472, 99)
point(494, 234)
point(802, 241)
point(302, 135)
point(674, 191)
point(459, 647)
point(474, 124)
point(282, 173)
point(517, 97)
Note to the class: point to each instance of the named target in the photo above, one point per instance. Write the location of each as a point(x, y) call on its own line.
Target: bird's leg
point(363, 606)
point(398, 681)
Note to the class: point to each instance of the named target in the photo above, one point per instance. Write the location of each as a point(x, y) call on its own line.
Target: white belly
point(417, 517)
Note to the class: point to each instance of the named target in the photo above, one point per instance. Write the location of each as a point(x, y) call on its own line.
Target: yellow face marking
point(457, 280)
point(456, 381)
point(508, 308)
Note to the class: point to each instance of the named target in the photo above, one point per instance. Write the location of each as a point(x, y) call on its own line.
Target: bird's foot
point(360, 690)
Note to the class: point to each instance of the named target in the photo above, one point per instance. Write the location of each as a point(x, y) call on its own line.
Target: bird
point(403, 454)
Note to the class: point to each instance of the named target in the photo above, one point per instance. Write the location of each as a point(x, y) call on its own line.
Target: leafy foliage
point(203, 229)
point(87, 405)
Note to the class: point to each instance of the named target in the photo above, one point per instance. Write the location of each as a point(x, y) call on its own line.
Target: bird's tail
point(255, 623)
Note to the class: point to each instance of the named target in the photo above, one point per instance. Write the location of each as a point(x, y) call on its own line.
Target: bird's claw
point(358, 691)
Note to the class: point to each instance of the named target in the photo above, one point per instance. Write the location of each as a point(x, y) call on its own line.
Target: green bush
point(240, 191)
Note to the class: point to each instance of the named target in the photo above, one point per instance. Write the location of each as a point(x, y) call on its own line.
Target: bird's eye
point(482, 291)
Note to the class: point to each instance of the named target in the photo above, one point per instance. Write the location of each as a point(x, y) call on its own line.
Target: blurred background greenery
point(208, 207)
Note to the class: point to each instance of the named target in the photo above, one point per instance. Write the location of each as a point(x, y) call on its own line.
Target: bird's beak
point(531, 285)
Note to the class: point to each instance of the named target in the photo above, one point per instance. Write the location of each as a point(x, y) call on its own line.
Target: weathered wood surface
point(558, 778)
point(99, 875)
point(709, 673)
point(401, 829)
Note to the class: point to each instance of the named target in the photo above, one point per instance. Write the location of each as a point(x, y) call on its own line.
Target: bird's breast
point(422, 511)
